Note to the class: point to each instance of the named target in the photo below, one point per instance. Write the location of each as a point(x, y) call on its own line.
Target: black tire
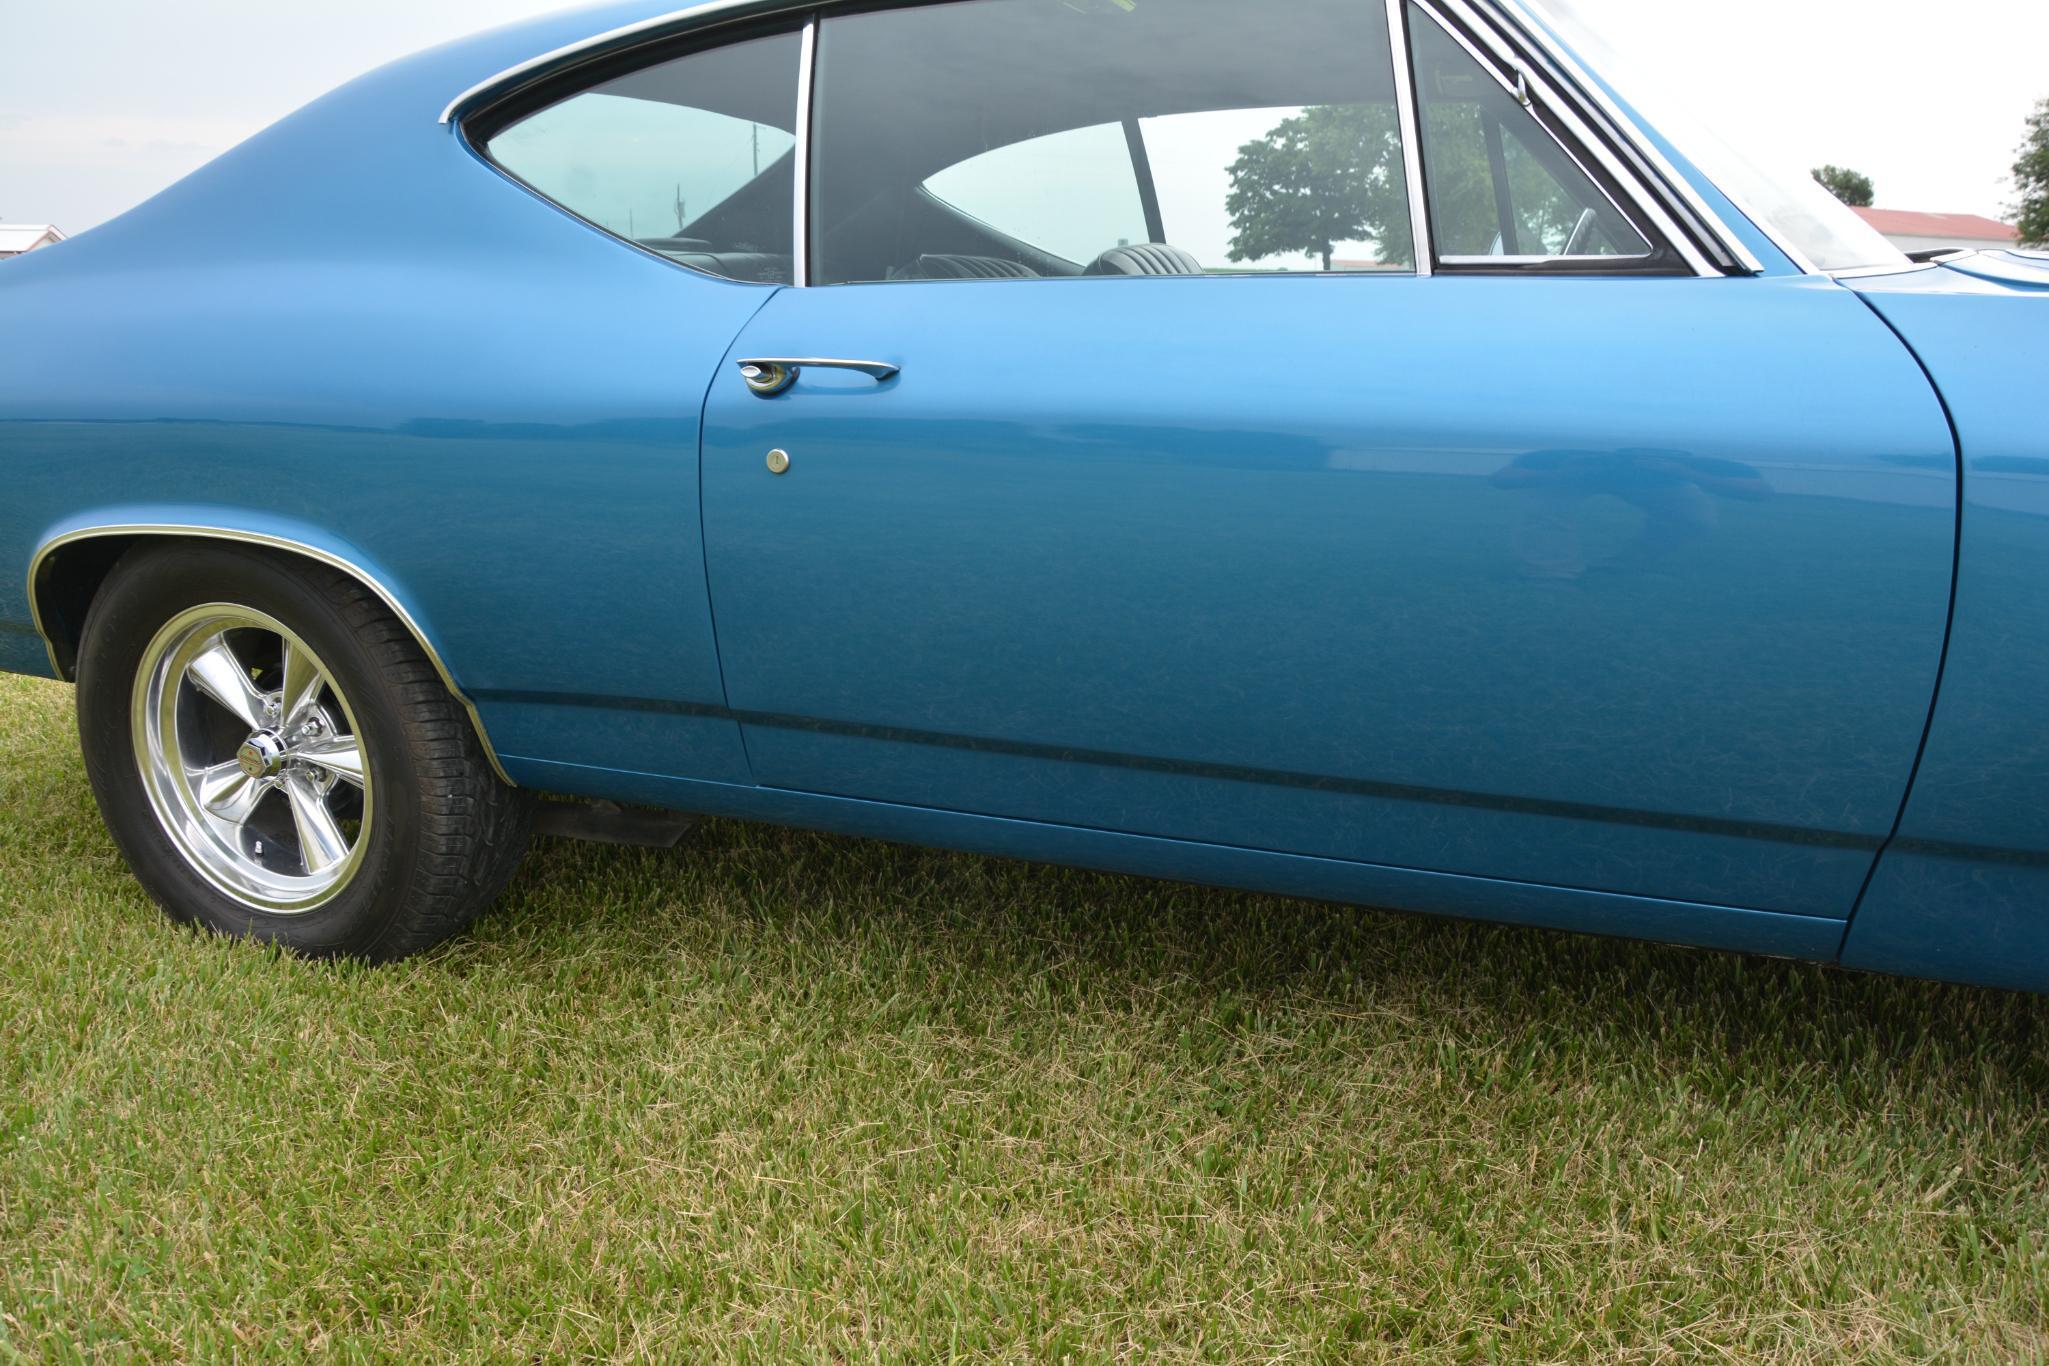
point(448, 833)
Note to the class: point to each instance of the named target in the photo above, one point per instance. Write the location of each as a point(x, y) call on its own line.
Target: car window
point(1499, 185)
point(1005, 189)
point(1021, 139)
point(692, 157)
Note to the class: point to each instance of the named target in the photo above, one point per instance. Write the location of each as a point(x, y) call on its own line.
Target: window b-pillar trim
point(1148, 188)
point(800, 192)
point(1408, 119)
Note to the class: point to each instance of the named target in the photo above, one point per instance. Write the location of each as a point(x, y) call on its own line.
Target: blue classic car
point(1346, 451)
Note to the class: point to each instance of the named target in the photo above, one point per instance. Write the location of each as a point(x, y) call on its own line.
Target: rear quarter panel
point(351, 324)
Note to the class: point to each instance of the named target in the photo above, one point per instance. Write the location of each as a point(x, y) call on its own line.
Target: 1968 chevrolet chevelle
point(1345, 449)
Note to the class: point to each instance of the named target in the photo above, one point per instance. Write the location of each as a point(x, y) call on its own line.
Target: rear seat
point(940, 266)
point(760, 267)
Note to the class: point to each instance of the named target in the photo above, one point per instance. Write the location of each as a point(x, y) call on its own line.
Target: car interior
point(905, 94)
point(992, 75)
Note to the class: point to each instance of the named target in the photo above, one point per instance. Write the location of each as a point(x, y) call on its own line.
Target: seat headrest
point(1145, 258)
point(942, 266)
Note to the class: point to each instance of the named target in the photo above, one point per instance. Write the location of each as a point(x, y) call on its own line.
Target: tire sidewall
point(145, 590)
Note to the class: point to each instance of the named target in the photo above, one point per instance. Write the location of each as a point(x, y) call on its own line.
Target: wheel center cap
point(261, 755)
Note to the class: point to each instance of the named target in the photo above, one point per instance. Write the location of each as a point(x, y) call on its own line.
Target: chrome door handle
point(771, 375)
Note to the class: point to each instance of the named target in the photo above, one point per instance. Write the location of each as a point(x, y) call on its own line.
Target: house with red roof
point(1911, 231)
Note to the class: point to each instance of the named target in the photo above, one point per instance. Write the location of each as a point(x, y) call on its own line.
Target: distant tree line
point(1847, 185)
point(2031, 178)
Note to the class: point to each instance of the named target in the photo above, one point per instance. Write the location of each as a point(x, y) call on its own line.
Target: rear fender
point(72, 558)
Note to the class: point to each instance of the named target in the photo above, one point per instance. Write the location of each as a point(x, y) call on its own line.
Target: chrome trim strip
point(257, 538)
point(1867, 272)
point(1411, 130)
point(1519, 15)
point(800, 194)
point(598, 41)
point(1498, 62)
point(1801, 261)
point(1495, 64)
point(1528, 260)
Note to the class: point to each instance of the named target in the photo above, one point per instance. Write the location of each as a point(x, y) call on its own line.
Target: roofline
point(605, 42)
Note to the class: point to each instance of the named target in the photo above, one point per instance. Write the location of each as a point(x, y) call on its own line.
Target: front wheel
point(277, 758)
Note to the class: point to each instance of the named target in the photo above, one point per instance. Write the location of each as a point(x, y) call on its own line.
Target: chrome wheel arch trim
point(1510, 14)
point(267, 541)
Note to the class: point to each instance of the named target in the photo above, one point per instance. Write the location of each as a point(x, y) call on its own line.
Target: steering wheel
point(1582, 232)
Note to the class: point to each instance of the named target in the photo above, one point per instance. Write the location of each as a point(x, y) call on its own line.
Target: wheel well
point(69, 576)
point(67, 580)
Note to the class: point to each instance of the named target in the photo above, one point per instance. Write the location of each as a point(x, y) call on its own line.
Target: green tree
point(1845, 184)
point(1330, 174)
point(1464, 212)
point(2031, 178)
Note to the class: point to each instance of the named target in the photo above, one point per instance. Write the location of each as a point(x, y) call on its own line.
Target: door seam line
point(711, 603)
point(1956, 565)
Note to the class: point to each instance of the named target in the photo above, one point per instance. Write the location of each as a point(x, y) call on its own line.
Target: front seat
point(1145, 258)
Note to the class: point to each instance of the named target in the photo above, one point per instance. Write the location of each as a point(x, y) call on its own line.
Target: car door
point(1158, 502)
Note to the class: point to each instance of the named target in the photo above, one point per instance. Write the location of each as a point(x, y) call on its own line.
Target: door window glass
point(1499, 184)
point(1038, 138)
point(1005, 190)
point(692, 158)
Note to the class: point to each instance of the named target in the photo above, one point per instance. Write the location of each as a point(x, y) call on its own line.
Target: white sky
point(104, 102)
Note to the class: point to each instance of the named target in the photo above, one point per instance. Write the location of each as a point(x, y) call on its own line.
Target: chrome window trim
point(596, 43)
point(1801, 261)
point(1409, 119)
point(1479, 15)
point(800, 193)
point(1538, 86)
point(1867, 272)
point(1525, 92)
point(269, 542)
point(1529, 260)
point(1624, 127)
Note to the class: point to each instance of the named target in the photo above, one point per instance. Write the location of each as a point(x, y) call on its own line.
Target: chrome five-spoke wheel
point(251, 760)
point(279, 758)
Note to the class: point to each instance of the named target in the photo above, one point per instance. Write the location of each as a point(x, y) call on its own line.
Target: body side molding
point(270, 542)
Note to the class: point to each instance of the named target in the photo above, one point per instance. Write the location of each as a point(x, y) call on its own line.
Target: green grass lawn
point(779, 1094)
